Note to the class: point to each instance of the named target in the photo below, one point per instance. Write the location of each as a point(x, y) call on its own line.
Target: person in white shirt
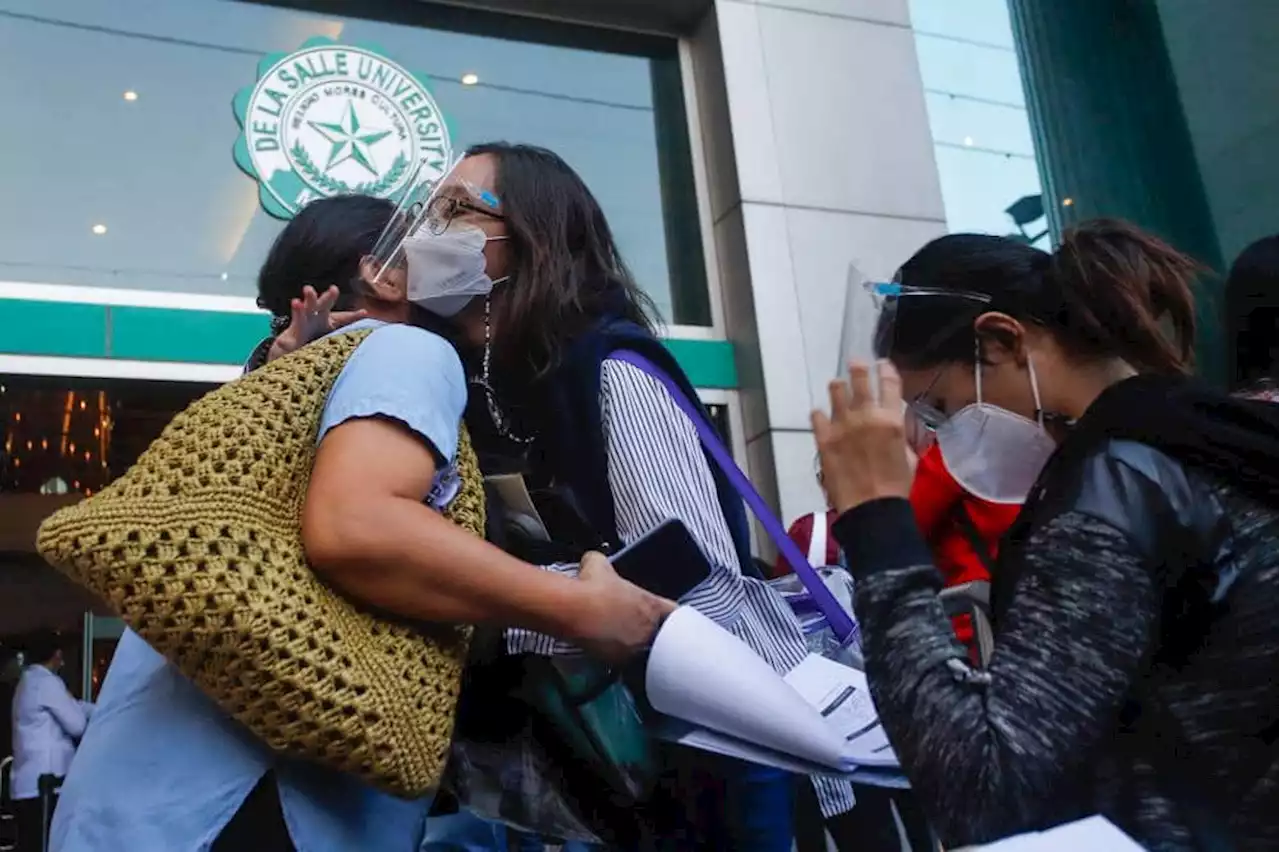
point(47, 724)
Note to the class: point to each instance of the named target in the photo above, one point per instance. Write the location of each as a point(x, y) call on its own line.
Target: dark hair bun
point(322, 246)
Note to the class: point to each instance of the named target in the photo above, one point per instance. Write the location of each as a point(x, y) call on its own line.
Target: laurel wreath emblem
point(333, 186)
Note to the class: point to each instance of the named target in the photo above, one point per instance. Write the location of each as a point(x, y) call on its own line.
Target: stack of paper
point(819, 719)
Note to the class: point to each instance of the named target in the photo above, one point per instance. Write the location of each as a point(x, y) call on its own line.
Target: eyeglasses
point(443, 209)
point(929, 416)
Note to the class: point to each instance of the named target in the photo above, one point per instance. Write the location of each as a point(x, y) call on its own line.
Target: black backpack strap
point(970, 532)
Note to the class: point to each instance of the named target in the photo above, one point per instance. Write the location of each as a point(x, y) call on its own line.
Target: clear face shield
point(858, 328)
point(871, 332)
point(411, 213)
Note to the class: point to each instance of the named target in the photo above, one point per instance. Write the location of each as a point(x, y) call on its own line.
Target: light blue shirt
point(162, 769)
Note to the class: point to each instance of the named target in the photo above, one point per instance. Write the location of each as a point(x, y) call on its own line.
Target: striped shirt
point(658, 471)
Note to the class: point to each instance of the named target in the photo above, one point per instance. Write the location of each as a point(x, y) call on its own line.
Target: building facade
point(741, 182)
point(748, 154)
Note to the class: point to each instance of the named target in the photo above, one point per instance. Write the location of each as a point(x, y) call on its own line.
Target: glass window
point(981, 22)
point(65, 436)
point(123, 175)
point(964, 122)
point(978, 117)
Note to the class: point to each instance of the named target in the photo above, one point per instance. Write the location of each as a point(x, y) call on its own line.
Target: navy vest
point(570, 447)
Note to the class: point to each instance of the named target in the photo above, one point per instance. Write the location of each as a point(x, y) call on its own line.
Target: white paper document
point(818, 720)
point(841, 696)
point(704, 740)
point(1096, 834)
point(716, 743)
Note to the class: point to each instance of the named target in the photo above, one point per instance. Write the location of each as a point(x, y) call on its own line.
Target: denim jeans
point(758, 809)
point(714, 803)
point(725, 804)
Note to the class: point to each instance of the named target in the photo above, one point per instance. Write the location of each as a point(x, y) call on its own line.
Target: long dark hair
point(1109, 291)
point(322, 246)
point(566, 271)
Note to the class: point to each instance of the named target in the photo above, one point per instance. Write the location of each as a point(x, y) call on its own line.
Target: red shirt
point(937, 498)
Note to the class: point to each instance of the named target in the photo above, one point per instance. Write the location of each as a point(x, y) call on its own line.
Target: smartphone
point(666, 561)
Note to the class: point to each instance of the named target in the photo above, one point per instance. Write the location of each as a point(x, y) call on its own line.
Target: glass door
point(101, 633)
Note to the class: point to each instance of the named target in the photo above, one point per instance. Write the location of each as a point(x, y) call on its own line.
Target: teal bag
point(597, 720)
point(556, 746)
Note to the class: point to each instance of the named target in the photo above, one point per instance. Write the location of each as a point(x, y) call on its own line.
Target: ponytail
point(1120, 288)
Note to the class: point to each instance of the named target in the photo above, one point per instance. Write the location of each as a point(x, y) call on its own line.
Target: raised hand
point(311, 317)
point(863, 444)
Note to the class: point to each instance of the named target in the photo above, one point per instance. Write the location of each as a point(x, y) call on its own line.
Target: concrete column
point(817, 143)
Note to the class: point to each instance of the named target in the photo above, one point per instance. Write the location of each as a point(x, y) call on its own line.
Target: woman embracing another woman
point(517, 256)
point(165, 767)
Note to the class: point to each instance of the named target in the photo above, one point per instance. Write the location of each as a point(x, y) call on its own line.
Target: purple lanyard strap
point(840, 621)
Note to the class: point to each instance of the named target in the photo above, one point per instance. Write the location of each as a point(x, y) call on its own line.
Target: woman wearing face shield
point(546, 337)
point(162, 768)
point(516, 253)
point(1135, 599)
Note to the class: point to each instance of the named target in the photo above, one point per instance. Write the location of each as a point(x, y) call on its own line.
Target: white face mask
point(446, 271)
point(993, 453)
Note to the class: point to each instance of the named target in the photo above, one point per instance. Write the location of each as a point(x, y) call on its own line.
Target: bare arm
point(366, 529)
point(383, 432)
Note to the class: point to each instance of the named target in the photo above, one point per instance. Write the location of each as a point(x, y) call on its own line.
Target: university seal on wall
point(331, 119)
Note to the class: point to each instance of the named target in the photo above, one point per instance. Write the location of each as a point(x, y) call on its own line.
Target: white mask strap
point(1035, 390)
point(977, 369)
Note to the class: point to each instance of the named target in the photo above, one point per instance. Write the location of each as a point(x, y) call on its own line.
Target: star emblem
point(350, 141)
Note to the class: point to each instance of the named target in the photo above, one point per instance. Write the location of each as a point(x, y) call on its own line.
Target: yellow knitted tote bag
point(198, 547)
